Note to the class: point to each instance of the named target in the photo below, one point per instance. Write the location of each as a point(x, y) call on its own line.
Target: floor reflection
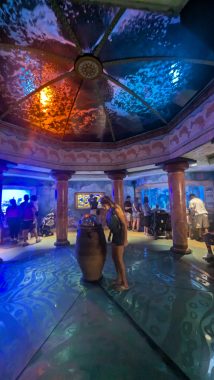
point(34, 295)
point(96, 341)
point(173, 304)
point(54, 327)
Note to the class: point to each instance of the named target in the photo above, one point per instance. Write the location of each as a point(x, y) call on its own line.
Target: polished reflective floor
point(52, 326)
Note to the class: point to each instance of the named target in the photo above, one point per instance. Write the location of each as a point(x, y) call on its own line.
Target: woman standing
point(136, 212)
point(147, 215)
point(12, 215)
point(116, 222)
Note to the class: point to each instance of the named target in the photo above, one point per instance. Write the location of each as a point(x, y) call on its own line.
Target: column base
point(180, 250)
point(62, 243)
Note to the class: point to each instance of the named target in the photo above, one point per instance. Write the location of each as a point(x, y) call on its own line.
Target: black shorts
point(119, 237)
point(146, 221)
point(209, 238)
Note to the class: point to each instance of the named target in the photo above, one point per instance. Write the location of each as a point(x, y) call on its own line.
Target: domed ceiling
point(95, 72)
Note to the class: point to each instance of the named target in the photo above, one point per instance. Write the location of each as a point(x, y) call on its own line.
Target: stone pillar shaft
point(176, 181)
point(117, 177)
point(1, 214)
point(62, 211)
point(62, 207)
point(3, 168)
point(118, 192)
point(1, 188)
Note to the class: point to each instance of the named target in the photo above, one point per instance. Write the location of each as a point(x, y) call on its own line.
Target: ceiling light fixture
point(88, 67)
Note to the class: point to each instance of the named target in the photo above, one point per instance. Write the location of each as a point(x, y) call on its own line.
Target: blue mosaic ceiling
point(89, 72)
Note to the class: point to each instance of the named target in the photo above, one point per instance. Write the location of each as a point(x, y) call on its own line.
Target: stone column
point(117, 177)
point(62, 178)
point(176, 180)
point(3, 168)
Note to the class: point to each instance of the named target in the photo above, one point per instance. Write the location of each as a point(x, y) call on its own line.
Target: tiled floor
point(54, 327)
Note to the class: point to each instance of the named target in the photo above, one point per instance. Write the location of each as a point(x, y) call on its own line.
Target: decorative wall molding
point(195, 130)
point(20, 146)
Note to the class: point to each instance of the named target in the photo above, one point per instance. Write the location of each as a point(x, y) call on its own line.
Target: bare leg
point(199, 234)
point(25, 237)
point(35, 232)
point(118, 280)
point(129, 224)
point(133, 224)
point(190, 231)
point(138, 224)
point(119, 253)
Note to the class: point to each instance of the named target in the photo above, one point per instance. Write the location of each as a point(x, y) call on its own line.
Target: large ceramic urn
point(91, 251)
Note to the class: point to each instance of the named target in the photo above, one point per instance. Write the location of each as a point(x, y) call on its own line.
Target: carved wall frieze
point(21, 146)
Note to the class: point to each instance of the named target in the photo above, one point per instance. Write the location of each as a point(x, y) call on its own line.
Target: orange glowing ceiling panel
point(26, 71)
point(49, 109)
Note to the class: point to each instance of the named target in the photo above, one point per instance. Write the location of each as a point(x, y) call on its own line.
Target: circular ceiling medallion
point(88, 67)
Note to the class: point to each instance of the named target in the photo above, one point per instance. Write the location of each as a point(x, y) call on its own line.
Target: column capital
point(116, 174)
point(61, 175)
point(176, 164)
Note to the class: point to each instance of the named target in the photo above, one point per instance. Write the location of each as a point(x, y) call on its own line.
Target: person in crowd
point(116, 221)
point(136, 214)
point(102, 216)
point(24, 203)
point(12, 216)
point(92, 200)
point(28, 217)
point(209, 241)
point(189, 224)
point(147, 215)
point(95, 204)
point(21, 211)
point(1, 217)
point(99, 212)
point(128, 211)
point(199, 216)
point(34, 202)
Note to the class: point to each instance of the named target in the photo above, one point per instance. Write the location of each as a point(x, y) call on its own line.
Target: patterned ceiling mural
point(95, 72)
